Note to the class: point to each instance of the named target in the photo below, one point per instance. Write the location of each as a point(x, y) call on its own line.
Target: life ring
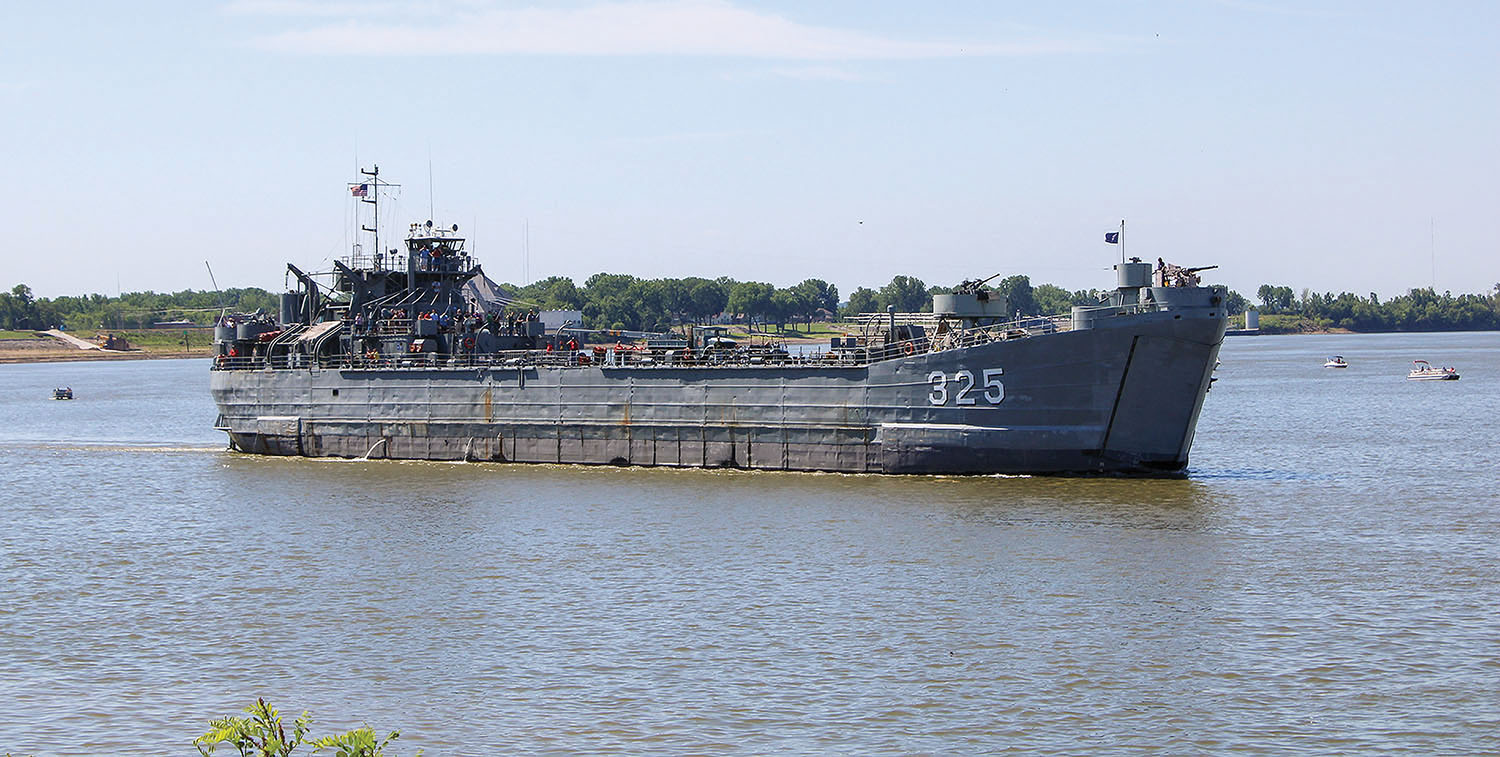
point(909, 349)
point(469, 343)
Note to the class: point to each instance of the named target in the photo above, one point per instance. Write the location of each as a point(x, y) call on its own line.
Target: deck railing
point(641, 358)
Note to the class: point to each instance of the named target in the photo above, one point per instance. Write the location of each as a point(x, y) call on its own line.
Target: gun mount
point(974, 286)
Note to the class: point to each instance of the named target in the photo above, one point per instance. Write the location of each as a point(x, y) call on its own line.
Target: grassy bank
point(1298, 324)
point(34, 347)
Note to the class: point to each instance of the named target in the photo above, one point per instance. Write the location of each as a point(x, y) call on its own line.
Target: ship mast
point(368, 192)
point(375, 201)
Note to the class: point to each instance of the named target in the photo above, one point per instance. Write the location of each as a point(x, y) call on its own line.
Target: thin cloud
point(641, 27)
point(691, 136)
point(811, 73)
point(1279, 10)
point(817, 73)
point(304, 8)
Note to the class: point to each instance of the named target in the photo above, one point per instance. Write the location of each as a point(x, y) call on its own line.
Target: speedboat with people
point(62, 393)
point(1336, 361)
point(1421, 370)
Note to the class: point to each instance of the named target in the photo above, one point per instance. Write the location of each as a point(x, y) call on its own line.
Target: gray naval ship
point(415, 355)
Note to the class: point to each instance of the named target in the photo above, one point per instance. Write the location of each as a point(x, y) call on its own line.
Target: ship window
point(335, 392)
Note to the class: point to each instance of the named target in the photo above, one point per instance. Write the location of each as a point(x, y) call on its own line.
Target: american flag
point(360, 190)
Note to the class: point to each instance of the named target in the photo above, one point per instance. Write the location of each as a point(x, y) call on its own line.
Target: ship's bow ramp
point(1159, 401)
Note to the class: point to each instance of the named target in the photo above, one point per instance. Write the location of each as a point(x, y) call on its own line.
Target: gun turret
point(1177, 276)
point(973, 286)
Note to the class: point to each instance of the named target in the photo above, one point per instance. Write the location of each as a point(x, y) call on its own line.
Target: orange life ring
point(909, 349)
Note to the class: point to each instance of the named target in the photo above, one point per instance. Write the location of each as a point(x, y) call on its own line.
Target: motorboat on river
point(1421, 370)
point(62, 393)
point(1336, 361)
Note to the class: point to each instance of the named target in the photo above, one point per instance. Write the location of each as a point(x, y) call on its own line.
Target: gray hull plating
point(1104, 399)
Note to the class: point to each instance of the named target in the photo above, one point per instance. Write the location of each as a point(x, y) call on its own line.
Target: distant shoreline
point(43, 349)
point(87, 356)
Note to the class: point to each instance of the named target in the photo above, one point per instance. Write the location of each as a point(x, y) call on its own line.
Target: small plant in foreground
point(263, 734)
point(359, 742)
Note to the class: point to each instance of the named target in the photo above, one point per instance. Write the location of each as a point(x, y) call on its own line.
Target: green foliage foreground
point(263, 734)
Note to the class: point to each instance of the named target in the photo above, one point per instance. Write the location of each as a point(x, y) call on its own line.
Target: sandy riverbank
point(45, 350)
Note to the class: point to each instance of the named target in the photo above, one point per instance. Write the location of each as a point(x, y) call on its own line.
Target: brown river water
point(1324, 582)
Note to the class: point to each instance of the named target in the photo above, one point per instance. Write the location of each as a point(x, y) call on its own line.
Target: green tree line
point(1417, 310)
point(19, 309)
point(623, 301)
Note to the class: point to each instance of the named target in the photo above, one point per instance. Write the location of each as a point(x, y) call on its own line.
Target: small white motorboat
point(1336, 361)
point(1421, 370)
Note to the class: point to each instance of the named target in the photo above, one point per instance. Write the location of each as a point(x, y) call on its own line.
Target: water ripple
point(1313, 587)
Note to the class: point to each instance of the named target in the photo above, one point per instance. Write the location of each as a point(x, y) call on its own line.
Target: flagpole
point(1122, 241)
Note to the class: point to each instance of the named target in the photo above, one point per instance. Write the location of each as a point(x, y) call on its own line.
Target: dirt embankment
point(48, 350)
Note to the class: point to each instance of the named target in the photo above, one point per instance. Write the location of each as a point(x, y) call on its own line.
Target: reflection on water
point(1323, 582)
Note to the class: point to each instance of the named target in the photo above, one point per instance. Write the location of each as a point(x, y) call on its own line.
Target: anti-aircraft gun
point(1178, 276)
point(975, 287)
point(971, 303)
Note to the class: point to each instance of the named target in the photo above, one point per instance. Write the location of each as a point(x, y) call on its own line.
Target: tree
point(607, 301)
point(907, 293)
point(1052, 300)
point(10, 310)
point(751, 299)
point(23, 307)
point(786, 303)
point(1235, 303)
point(1275, 299)
point(817, 294)
point(650, 300)
point(551, 293)
point(1019, 294)
point(862, 300)
point(709, 298)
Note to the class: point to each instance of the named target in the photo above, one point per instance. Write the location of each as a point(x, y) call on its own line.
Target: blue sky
point(1330, 145)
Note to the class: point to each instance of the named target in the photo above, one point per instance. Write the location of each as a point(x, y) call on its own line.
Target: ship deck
point(758, 356)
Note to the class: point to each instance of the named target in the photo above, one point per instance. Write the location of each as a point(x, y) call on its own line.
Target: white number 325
point(994, 388)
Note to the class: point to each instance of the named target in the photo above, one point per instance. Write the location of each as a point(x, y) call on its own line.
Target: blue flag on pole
point(1111, 237)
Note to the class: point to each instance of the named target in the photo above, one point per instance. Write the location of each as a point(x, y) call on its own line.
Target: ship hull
point(1109, 400)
